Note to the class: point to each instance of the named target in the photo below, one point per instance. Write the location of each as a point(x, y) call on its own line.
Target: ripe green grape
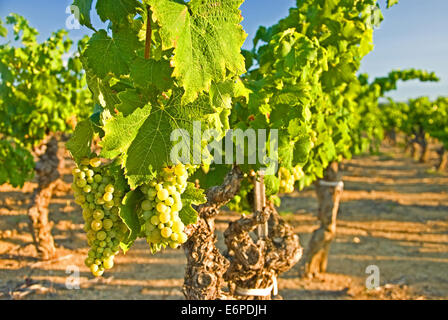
point(95, 191)
point(159, 211)
point(287, 179)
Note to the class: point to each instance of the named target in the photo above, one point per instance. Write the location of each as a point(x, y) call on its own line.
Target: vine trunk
point(316, 256)
point(47, 171)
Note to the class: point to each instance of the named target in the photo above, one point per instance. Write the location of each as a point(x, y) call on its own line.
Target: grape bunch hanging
point(159, 212)
point(96, 193)
point(288, 178)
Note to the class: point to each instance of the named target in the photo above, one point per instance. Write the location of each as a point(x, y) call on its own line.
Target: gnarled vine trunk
point(47, 172)
point(205, 264)
point(256, 262)
point(329, 194)
point(253, 264)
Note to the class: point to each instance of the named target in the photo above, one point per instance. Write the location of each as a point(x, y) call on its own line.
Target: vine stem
point(148, 33)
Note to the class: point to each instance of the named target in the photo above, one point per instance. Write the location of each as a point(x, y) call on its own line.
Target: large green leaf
point(80, 143)
point(206, 36)
point(130, 100)
point(106, 55)
point(116, 10)
point(191, 196)
point(128, 214)
point(147, 73)
point(143, 137)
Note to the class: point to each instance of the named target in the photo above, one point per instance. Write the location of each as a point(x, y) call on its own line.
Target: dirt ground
point(394, 214)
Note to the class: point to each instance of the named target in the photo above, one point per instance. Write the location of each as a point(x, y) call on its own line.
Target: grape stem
point(148, 34)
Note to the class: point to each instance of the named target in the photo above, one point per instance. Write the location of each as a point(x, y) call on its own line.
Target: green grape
point(162, 194)
point(164, 217)
point(108, 263)
point(146, 205)
point(161, 207)
point(174, 244)
point(108, 197)
point(98, 214)
point(107, 224)
point(81, 183)
point(84, 162)
point(287, 180)
point(101, 235)
point(178, 226)
point(175, 237)
point(166, 232)
point(96, 225)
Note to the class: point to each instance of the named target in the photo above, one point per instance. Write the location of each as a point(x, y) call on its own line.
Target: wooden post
point(260, 202)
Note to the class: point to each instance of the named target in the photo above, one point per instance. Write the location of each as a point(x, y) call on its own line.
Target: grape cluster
point(159, 214)
point(288, 178)
point(95, 192)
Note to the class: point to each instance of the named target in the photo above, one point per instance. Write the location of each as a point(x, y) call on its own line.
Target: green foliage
point(16, 164)
point(39, 94)
point(191, 74)
point(370, 120)
point(306, 66)
point(191, 196)
point(206, 37)
point(418, 117)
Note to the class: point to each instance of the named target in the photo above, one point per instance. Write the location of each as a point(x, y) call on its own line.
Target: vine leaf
point(143, 137)
point(84, 7)
point(116, 10)
point(130, 100)
point(121, 131)
point(80, 143)
point(148, 73)
point(128, 214)
point(191, 196)
point(105, 55)
point(206, 36)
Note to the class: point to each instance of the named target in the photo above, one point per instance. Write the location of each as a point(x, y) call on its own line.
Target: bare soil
point(394, 214)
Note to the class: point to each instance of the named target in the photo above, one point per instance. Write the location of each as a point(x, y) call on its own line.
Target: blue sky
point(413, 34)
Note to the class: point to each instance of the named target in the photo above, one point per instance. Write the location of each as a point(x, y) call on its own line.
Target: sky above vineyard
point(414, 34)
